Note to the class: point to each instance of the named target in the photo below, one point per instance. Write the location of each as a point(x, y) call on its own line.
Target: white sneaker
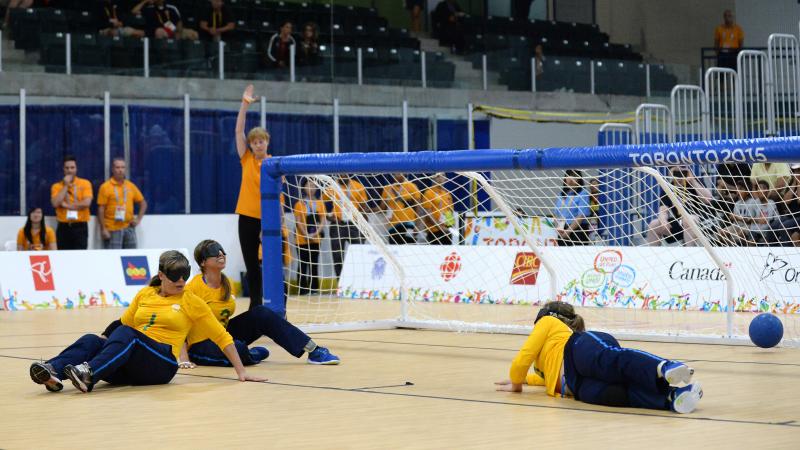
point(685, 399)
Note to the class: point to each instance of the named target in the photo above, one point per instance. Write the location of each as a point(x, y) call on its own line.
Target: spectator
point(447, 21)
point(415, 8)
point(71, 197)
point(109, 23)
point(437, 204)
point(594, 208)
point(696, 200)
point(400, 201)
point(777, 176)
point(35, 235)
point(790, 211)
point(309, 216)
point(343, 230)
point(163, 20)
point(308, 54)
point(538, 55)
point(753, 215)
point(216, 22)
point(278, 52)
point(115, 200)
point(728, 40)
point(13, 4)
point(572, 210)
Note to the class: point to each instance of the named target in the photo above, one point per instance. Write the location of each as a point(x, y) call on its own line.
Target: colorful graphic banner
point(497, 230)
point(74, 279)
point(661, 278)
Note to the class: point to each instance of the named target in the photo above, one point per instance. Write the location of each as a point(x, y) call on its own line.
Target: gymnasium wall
point(759, 19)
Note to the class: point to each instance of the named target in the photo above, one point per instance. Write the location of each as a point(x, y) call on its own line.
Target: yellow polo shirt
point(112, 194)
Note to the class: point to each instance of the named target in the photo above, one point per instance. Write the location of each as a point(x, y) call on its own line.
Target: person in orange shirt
point(400, 201)
point(728, 40)
point(309, 217)
point(252, 150)
point(343, 230)
point(71, 197)
point(115, 200)
point(35, 235)
point(438, 205)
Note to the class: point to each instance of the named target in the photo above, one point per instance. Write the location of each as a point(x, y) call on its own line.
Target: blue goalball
point(766, 330)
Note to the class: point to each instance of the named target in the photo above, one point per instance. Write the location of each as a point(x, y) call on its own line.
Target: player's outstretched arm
point(241, 140)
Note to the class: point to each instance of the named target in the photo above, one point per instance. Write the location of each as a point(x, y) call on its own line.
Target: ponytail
point(155, 281)
point(226, 288)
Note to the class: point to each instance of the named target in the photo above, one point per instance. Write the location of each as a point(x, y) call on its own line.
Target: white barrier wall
point(75, 279)
point(163, 231)
point(623, 277)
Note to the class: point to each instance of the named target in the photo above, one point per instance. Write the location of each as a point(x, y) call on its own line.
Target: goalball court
point(750, 397)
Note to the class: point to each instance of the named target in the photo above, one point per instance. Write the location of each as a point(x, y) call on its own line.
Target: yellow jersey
point(544, 349)
point(354, 191)
point(222, 309)
point(439, 205)
point(81, 189)
point(401, 199)
point(49, 238)
point(304, 210)
point(249, 203)
point(112, 195)
point(169, 319)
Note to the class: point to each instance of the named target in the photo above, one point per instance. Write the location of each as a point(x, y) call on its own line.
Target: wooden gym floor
point(394, 389)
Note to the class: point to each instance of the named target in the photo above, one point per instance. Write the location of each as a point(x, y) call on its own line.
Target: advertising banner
point(74, 279)
point(663, 278)
point(497, 230)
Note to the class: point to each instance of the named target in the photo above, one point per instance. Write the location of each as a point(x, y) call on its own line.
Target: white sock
point(658, 369)
point(310, 346)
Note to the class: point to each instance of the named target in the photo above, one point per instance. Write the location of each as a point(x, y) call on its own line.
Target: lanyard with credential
point(124, 196)
point(216, 18)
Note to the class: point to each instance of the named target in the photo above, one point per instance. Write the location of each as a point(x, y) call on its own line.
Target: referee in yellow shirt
point(115, 200)
point(400, 201)
point(71, 197)
point(728, 40)
point(437, 204)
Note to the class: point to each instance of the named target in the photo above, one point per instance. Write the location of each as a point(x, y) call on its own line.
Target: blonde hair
point(257, 133)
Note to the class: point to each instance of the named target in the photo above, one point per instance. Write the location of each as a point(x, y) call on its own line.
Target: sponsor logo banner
point(660, 278)
point(74, 279)
point(498, 230)
point(135, 270)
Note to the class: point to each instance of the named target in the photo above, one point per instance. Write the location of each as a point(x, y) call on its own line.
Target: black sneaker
point(43, 373)
point(80, 375)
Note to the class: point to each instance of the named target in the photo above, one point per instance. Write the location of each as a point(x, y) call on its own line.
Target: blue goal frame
point(615, 156)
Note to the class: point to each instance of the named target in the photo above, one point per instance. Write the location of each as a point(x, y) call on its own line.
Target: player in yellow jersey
point(592, 367)
point(215, 289)
point(144, 349)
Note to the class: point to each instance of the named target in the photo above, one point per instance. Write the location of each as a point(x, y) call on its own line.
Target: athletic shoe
point(322, 356)
point(81, 376)
point(43, 373)
point(258, 354)
point(676, 373)
point(685, 399)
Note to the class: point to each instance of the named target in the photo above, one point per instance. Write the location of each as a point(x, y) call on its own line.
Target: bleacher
point(569, 49)
point(389, 55)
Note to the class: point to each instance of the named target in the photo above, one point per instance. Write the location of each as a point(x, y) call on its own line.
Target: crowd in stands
point(71, 197)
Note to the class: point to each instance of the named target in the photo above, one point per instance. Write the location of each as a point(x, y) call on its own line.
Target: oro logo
point(135, 270)
point(450, 267)
point(526, 268)
point(608, 261)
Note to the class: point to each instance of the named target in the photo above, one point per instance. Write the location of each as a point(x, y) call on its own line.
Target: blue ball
point(766, 330)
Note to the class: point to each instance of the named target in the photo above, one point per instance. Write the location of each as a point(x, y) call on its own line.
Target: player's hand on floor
point(248, 377)
point(508, 386)
point(186, 365)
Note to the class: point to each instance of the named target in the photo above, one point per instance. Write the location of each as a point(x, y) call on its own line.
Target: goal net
point(646, 246)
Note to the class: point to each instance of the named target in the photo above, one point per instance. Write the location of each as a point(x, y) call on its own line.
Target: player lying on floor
point(592, 367)
point(144, 349)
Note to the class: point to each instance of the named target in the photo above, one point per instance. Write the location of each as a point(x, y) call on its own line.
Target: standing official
point(115, 201)
point(71, 197)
